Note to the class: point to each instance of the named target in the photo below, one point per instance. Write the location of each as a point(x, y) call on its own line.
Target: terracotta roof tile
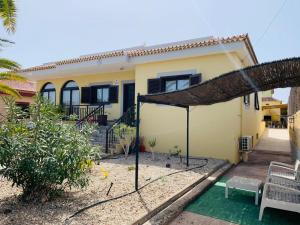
point(151, 51)
point(21, 86)
point(36, 68)
point(91, 58)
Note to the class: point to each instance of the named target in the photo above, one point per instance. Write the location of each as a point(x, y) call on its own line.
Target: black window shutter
point(162, 85)
point(85, 95)
point(154, 86)
point(113, 94)
point(93, 95)
point(195, 79)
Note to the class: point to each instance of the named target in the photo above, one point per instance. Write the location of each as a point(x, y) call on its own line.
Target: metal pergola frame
point(140, 100)
point(228, 86)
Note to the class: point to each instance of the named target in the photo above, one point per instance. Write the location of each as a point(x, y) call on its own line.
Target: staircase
point(105, 136)
point(99, 137)
point(112, 141)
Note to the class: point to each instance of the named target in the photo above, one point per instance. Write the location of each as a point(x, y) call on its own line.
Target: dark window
point(48, 92)
point(23, 105)
point(70, 94)
point(172, 83)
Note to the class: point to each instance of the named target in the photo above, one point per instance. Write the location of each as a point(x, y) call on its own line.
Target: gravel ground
point(124, 210)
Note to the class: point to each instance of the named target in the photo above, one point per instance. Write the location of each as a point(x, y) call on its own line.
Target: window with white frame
point(176, 83)
point(102, 94)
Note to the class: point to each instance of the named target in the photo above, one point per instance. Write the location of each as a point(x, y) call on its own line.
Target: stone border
point(165, 212)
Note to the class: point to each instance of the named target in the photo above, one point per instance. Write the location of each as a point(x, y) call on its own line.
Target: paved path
point(276, 140)
point(273, 146)
point(189, 218)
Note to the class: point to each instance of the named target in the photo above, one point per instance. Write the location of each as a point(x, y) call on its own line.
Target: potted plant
point(152, 144)
point(102, 120)
point(142, 144)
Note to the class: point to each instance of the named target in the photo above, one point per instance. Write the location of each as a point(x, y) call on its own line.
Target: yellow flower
point(104, 172)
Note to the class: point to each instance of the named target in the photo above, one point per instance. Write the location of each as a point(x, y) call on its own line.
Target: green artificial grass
point(239, 208)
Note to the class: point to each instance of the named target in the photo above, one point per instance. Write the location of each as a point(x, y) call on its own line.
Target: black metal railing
point(79, 111)
point(127, 118)
point(84, 113)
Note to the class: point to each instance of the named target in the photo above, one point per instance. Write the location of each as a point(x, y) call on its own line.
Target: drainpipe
point(137, 139)
point(187, 134)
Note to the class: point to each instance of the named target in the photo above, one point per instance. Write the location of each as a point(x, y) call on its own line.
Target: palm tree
point(8, 14)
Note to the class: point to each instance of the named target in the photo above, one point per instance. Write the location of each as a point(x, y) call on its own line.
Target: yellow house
point(274, 112)
point(116, 77)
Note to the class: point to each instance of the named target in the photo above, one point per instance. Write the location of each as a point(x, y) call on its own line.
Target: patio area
point(212, 208)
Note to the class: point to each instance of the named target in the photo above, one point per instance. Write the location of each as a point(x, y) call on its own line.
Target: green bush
point(40, 153)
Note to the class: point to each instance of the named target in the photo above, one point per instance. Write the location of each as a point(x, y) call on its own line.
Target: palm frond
point(8, 13)
point(8, 64)
point(11, 76)
point(8, 90)
point(5, 43)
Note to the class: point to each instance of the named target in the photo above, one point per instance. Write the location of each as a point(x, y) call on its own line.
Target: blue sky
point(53, 30)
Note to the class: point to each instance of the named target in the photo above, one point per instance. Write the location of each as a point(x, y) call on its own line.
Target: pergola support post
point(187, 135)
point(137, 140)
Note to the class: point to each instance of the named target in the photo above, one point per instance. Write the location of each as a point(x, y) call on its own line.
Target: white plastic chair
point(280, 197)
point(285, 170)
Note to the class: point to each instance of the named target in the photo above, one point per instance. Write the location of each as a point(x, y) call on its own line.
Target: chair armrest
point(288, 180)
point(281, 167)
point(289, 189)
point(273, 163)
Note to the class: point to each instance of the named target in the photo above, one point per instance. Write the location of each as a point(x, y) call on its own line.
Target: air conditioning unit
point(245, 143)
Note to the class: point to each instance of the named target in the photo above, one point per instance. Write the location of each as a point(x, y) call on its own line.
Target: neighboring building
point(26, 89)
point(116, 77)
point(268, 93)
point(274, 112)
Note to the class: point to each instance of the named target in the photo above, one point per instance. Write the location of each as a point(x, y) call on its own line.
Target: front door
point(128, 96)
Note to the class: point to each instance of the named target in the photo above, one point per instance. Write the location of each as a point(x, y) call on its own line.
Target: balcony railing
point(82, 111)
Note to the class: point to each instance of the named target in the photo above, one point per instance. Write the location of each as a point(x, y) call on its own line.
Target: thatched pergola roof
point(261, 77)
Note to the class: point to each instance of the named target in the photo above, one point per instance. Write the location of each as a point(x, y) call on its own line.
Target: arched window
point(48, 92)
point(70, 94)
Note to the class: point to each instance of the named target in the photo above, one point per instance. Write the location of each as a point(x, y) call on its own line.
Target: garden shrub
point(126, 135)
point(42, 154)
